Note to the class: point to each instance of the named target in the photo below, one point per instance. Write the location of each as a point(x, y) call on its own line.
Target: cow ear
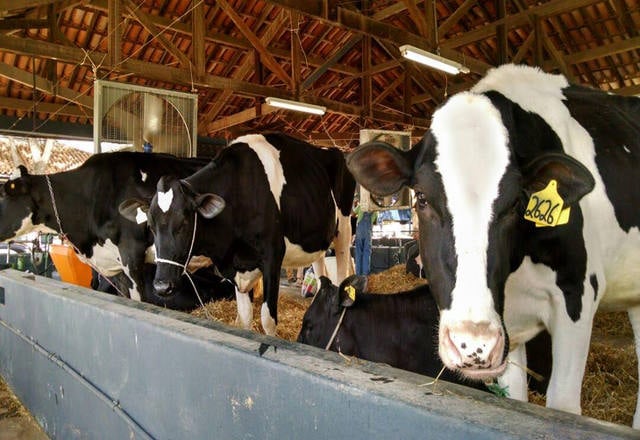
point(574, 179)
point(381, 168)
point(350, 289)
point(18, 183)
point(209, 205)
point(135, 210)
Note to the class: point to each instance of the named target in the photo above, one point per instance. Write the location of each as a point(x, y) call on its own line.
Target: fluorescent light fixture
point(296, 105)
point(432, 60)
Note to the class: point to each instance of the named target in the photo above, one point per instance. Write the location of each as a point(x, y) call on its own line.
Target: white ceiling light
point(296, 105)
point(432, 60)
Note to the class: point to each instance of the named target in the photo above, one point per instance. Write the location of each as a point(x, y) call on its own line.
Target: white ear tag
point(141, 217)
point(165, 199)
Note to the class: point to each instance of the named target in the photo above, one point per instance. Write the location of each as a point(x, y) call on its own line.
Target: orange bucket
point(69, 266)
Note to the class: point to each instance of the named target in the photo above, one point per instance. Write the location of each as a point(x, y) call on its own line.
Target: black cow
point(398, 329)
point(506, 259)
point(263, 203)
point(83, 204)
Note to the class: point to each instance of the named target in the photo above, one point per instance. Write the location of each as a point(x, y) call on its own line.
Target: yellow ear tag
point(545, 207)
point(12, 186)
point(351, 292)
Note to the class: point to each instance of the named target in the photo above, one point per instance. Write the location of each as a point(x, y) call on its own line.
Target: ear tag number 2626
point(545, 207)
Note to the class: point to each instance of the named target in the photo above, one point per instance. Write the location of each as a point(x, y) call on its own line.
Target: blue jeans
point(363, 245)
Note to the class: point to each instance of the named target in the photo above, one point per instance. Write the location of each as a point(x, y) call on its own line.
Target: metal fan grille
point(132, 116)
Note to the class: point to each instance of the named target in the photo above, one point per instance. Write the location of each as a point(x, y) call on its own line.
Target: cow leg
point(245, 310)
point(634, 318)
point(515, 377)
point(320, 268)
point(271, 286)
point(570, 347)
point(341, 246)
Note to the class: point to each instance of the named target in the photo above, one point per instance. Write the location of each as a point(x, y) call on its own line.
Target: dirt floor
point(15, 421)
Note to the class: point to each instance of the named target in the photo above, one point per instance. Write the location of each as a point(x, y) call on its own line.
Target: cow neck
point(55, 209)
point(185, 272)
point(64, 236)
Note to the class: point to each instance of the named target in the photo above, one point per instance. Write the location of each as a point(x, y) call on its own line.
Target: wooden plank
point(417, 17)
point(157, 34)
point(455, 17)
point(44, 107)
point(267, 58)
point(42, 84)
point(197, 40)
point(342, 50)
point(515, 20)
point(114, 29)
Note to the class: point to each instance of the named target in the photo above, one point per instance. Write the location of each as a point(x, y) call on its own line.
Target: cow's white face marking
point(472, 158)
point(143, 176)
point(165, 199)
point(141, 216)
point(270, 158)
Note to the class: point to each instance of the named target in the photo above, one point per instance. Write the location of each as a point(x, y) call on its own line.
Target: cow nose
point(163, 288)
point(475, 349)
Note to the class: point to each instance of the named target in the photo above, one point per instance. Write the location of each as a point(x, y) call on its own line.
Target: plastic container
point(69, 266)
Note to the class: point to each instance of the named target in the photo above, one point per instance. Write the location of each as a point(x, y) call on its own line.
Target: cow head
point(470, 200)
point(16, 205)
point(171, 216)
point(323, 314)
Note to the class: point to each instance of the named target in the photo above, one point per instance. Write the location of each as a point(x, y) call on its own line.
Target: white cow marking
point(27, 226)
point(165, 199)
point(141, 217)
point(143, 176)
point(270, 158)
point(268, 323)
point(472, 158)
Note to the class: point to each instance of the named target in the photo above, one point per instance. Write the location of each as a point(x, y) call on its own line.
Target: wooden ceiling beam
point(358, 22)
point(21, 23)
point(239, 118)
point(267, 58)
point(604, 50)
point(455, 17)
point(197, 42)
point(219, 38)
point(8, 5)
point(157, 33)
point(519, 19)
point(244, 69)
point(333, 59)
point(417, 17)
point(42, 84)
point(44, 107)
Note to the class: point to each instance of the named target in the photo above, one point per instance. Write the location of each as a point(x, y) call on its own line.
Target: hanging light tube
point(296, 106)
point(432, 60)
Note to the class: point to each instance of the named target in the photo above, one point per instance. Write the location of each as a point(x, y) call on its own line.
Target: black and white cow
point(497, 277)
point(86, 201)
point(265, 202)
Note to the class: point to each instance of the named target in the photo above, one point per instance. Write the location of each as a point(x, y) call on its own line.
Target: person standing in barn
point(364, 225)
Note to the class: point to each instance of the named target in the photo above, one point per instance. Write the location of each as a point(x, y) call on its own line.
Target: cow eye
point(421, 200)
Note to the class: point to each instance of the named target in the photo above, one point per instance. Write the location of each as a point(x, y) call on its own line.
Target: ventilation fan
point(134, 116)
point(400, 199)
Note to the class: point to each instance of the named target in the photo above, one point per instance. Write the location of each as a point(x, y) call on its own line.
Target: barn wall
point(89, 365)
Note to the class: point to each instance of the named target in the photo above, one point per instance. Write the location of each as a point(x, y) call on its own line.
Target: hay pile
point(610, 383)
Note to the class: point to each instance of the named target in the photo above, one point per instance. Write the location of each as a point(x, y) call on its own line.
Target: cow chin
point(476, 351)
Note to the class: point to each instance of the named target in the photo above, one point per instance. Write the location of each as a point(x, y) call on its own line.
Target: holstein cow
point(527, 193)
point(83, 204)
point(266, 201)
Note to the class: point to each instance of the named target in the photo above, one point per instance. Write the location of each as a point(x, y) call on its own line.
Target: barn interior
point(107, 71)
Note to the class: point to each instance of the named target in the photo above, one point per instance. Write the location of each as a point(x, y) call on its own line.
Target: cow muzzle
point(476, 350)
point(164, 288)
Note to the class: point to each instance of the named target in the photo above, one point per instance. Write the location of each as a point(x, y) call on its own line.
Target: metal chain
point(65, 237)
